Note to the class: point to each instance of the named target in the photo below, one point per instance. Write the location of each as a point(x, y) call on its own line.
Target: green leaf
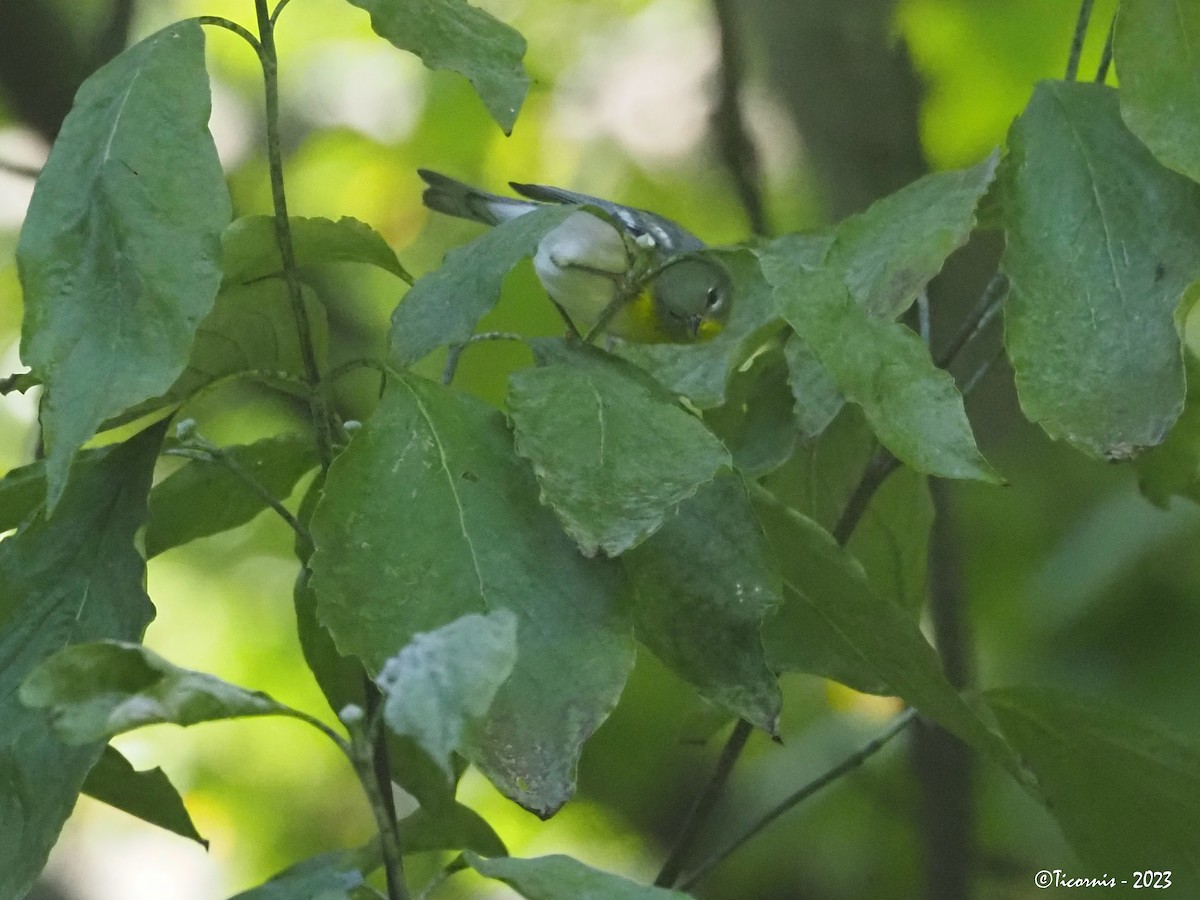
point(75, 577)
point(703, 584)
point(1101, 245)
point(818, 400)
point(148, 795)
point(756, 422)
point(556, 877)
point(444, 306)
point(892, 540)
point(444, 680)
point(914, 407)
point(119, 254)
point(700, 371)
point(1157, 49)
point(250, 250)
point(456, 828)
point(1124, 788)
point(890, 252)
point(339, 875)
point(831, 608)
point(454, 35)
point(428, 515)
point(23, 490)
point(98, 690)
point(204, 498)
point(18, 382)
point(612, 450)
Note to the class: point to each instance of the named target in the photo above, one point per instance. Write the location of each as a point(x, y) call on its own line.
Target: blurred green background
point(1071, 578)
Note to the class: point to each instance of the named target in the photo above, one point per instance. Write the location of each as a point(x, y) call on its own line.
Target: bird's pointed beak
point(693, 324)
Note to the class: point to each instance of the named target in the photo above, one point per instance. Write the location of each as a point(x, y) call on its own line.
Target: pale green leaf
point(444, 680)
point(339, 875)
point(98, 690)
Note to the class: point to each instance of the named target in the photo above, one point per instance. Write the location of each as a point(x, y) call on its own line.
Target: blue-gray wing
point(670, 237)
point(454, 198)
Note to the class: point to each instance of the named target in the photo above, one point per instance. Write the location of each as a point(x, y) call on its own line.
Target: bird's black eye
point(714, 297)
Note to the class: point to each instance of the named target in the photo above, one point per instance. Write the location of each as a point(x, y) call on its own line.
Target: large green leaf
point(704, 582)
point(454, 35)
point(204, 498)
point(912, 406)
point(23, 491)
point(1124, 788)
point(147, 794)
point(456, 827)
point(444, 306)
point(444, 680)
point(429, 515)
point(1101, 245)
point(75, 577)
point(119, 254)
point(558, 877)
point(339, 875)
point(612, 450)
point(1157, 48)
point(98, 690)
point(250, 250)
point(818, 400)
point(832, 623)
point(699, 371)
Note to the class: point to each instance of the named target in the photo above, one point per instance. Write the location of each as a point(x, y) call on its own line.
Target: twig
point(852, 762)
point(21, 171)
point(1107, 56)
point(733, 138)
point(985, 310)
point(198, 449)
point(456, 350)
point(228, 25)
point(1081, 26)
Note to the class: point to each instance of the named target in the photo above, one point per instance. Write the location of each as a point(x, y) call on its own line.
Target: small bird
point(637, 277)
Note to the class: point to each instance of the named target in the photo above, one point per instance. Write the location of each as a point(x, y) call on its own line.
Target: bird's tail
point(452, 197)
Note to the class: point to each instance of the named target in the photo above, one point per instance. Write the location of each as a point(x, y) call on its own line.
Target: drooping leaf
point(444, 680)
point(700, 371)
point(18, 382)
point(429, 515)
point(23, 490)
point(250, 250)
point(890, 252)
point(831, 611)
point(147, 794)
point(556, 877)
point(703, 584)
point(204, 498)
point(1100, 246)
point(1157, 49)
point(914, 407)
point(74, 577)
point(119, 253)
point(339, 875)
point(1123, 787)
point(756, 422)
point(454, 35)
point(611, 449)
point(98, 690)
point(444, 306)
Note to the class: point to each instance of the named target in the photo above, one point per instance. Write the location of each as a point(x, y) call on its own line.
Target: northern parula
point(637, 277)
